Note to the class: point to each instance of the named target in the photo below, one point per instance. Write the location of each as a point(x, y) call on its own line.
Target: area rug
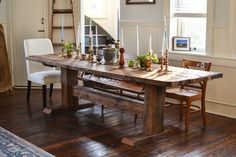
point(14, 146)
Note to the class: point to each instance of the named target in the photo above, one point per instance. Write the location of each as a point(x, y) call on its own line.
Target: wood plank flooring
point(86, 133)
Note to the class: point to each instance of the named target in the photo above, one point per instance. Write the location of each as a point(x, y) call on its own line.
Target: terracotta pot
point(69, 54)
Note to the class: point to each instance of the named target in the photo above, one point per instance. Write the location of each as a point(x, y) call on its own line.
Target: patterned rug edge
point(15, 145)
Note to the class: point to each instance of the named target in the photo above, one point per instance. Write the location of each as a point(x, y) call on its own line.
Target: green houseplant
point(68, 47)
point(144, 61)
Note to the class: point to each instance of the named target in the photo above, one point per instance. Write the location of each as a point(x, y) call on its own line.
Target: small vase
point(69, 54)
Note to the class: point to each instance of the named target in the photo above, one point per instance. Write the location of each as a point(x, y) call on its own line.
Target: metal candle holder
point(117, 45)
point(166, 63)
point(161, 60)
point(78, 51)
point(164, 60)
point(90, 51)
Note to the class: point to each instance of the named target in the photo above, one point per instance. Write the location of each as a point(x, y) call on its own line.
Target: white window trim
point(221, 61)
point(209, 30)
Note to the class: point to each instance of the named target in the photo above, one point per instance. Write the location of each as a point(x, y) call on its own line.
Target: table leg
point(153, 120)
point(154, 99)
point(69, 78)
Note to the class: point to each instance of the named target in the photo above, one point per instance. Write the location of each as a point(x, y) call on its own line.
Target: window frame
point(178, 24)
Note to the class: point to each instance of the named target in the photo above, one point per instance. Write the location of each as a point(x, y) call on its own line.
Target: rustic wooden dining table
point(154, 83)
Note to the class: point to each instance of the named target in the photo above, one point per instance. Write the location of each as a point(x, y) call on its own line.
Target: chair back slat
point(191, 64)
point(199, 65)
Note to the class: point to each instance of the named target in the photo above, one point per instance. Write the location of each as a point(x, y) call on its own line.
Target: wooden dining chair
point(191, 92)
point(38, 73)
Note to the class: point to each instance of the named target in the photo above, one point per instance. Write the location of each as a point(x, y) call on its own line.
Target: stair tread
point(58, 11)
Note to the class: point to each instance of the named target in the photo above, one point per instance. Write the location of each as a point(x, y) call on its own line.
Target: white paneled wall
point(144, 30)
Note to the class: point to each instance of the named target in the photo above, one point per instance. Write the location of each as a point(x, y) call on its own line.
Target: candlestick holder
point(78, 51)
point(90, 51)
point(117, 45)
point(161, 60)
point(166, 62)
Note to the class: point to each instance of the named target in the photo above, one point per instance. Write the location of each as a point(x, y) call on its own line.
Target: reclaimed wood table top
point(177, 76)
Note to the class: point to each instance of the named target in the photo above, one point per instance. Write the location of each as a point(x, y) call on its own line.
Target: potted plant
point(68, 47)
point(144, 61)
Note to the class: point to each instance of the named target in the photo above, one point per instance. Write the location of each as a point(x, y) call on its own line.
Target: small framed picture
point(181, 43)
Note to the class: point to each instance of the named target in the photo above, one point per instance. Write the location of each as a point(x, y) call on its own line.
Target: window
point(188, 19)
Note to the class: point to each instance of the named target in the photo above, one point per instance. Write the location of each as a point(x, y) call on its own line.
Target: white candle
point(164, 39)
point(163, 45)
point(122, 38)
point(166, 36)
point(78, 35)
point(118, 24)
point(62, 28)
point(150, 43)
point(96, 37)
point(92, 39)
point(90, 28)
point(137, 40)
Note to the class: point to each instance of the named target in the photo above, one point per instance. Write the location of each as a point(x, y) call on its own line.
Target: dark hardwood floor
point(86, 134)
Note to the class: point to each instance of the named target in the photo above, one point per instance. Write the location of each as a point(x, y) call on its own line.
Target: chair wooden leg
point(187, 115)
point(28, 90)
point(203, 112)
point(51, 90)
point(44, 95)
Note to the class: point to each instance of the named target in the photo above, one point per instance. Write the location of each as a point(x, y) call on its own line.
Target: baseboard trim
point(221, 108)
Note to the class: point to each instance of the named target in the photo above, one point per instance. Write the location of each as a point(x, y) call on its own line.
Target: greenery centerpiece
point(68, 48)
point(144, 61)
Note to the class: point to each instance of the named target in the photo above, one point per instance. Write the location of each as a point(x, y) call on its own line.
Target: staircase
point(103, 37)
point(63, 27)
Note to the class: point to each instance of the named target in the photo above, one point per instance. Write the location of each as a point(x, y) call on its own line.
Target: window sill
point(191, 53)
point(216, 60)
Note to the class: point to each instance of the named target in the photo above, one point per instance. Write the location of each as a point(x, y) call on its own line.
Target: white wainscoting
point(220, 98)
point(145, 29)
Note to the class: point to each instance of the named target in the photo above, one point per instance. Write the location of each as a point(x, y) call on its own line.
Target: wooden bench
point(110, 99)
point(125, 88)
